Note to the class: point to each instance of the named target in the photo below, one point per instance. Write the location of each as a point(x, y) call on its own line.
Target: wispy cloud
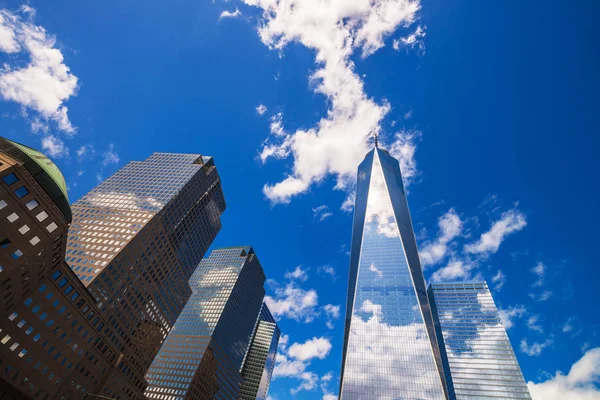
point(327, 270)
point(450, 226)
point(499, 280)
point(535, 349)
point(321, 213)
point(261, 109)
point(298, 274)
point(55, 147)
point(415, 40)
point(230, 14)
point(334, 30)
point(110, 156)
point(509, 315)
point(510, 222)
point(533, 323)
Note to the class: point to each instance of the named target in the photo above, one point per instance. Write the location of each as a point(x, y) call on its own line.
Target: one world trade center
point(390, 348)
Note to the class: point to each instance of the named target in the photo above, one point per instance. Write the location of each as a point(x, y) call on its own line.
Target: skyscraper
point(260, 359)
point(203, 355)
point(54, 342)
point(479, 361)
point(390, 349)
point(136, 239)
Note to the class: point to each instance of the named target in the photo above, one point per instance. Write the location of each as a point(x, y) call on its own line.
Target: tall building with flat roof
point(136, 239)
point(203, 355)
point(479, 361)
point(390, 348)
point(54, 342)
point(260, 360)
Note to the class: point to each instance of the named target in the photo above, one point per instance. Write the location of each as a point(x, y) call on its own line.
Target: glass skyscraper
point(479, 361)
point(136, 239)
point(260, 360)
point(203, 355)
point(390, 348)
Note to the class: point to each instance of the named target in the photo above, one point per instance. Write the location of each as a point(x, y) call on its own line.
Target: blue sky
point(492, 107)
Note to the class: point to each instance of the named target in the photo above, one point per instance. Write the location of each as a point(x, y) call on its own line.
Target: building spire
point(376, 141)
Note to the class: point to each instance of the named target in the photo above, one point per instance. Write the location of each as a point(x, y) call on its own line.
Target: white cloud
point(298, 274)
point(308, 382)
point(489, 242)
point(329, 396)
point(568, 326)
point(54, 147)
point(450, 227)
point(533, 323)
point(293, 302)
point(455, 270)
point(334, 30)
point(499, 280)
point(580, 383)
point(535, 349)
point(509, 315)
point(283, 342)
point(230, 14)
point(45, 83)
point(261, 109)
point(332, 313)
point(543, 296)
point(313, 348)
point(321, 213)
point(540, 271)
point(110, 156)
point(415, 40)
point(85, 151)
point(328, 270)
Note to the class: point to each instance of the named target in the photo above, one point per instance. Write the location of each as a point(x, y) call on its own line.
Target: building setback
point(136, 239)
point(390, 348)
point(260, 360)
point(54, 342)
point(203, 355)
point(479, 361)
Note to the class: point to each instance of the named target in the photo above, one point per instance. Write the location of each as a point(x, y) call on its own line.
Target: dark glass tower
point(479, 361)
point(390, 349)
point(260, 360)
point(203, 355)
point(136, 239)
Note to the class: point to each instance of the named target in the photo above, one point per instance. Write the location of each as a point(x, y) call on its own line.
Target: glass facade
point(260, 360)
point(203, 355)
point(390, 349)
point(136, 239)
point(479, 361)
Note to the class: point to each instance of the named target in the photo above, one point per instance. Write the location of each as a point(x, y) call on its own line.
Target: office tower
point(54, 342)
point(136, 239)
point(260, 360)
point(390, 349)
point(203, 355)
point(478, 358)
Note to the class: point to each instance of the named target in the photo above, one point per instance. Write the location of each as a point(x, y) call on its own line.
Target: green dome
point(43, 170)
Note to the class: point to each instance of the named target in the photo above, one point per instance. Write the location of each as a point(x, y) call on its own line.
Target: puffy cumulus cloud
point(334, 30)
point(54, 147)
point(298, 274)
point(510, 222)
point(415, 40)
point(321, 213)
point(46, 82)
point(508, 316)
point(332, 313)
point(313, 348)
point(535, 349)
point(455, 270)
point(581, 383)
point(294, 302)
point(450, 226)
point(230, 14)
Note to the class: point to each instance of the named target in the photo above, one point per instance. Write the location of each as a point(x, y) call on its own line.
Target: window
point(24, 229)
point(42, 216)
point(52, 227)
point(12, 217)
point(62, 282)
point(4, 243)
point(34, 240)
point(32, 204)
point(55, 274)
point(2, 204)
point(17, 254)
point(10, 179)
point(21, 192)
